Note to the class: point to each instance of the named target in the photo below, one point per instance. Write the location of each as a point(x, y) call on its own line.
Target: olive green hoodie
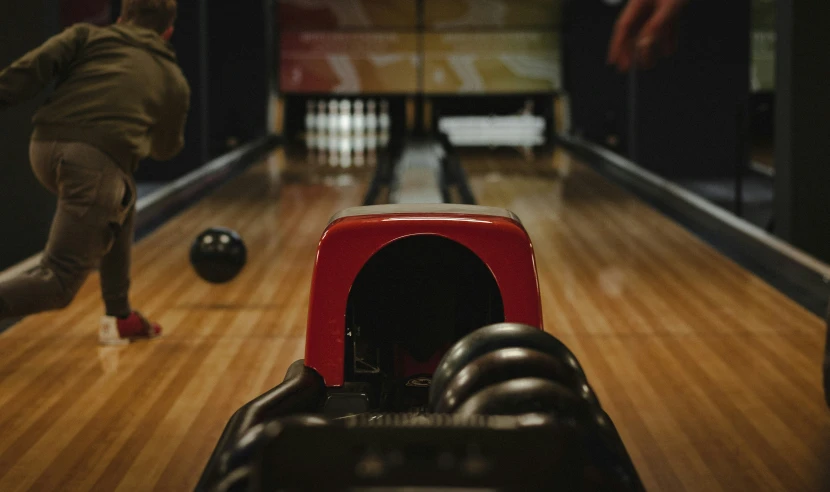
point(118, 88)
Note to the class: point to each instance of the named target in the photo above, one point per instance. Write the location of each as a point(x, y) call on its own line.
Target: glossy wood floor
point(146, 417)
point(711, 376)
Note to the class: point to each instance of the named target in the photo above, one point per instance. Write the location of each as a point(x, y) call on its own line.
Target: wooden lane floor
point(712, 377)
point(147, 417)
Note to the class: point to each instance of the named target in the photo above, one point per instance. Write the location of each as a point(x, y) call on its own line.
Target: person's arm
point(646, 29)
point(35, 70)
point(168, 135)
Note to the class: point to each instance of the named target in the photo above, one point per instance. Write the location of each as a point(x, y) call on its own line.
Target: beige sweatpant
point(92, 228)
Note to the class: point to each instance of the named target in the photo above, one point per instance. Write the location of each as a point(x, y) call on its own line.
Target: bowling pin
point(333, 148)
point(334, 116)
point(322, 154)
point(371, 116)
point(311, 140)
point(345, 152)
point(310, 116)
point(359, 118)
point(371, 141)
point(320, 141)
point(345, 116)
point(322, 118)
point(359, 146)
point(359, 143)
point(383, 120)
point(345, 144)
point(528, 108)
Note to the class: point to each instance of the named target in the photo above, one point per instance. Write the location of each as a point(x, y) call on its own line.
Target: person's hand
point(645, 30)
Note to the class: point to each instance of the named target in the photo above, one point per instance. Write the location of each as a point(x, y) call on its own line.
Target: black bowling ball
point(218, 255)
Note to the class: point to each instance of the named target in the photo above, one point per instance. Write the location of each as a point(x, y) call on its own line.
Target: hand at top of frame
point(646, 30)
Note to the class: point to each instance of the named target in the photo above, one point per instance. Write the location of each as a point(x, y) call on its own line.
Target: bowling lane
point(146, 417)
point(711, 375)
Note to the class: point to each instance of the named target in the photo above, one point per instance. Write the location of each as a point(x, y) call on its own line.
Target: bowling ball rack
point(524, 433)
point(426, 365)
point(432, 452)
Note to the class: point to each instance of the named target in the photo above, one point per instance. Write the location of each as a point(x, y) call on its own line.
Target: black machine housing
point(440, 394)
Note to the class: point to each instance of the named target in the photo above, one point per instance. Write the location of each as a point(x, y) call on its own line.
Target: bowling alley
point(399, 245)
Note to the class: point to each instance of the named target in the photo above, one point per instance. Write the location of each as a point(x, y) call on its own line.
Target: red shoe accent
point(116, 331)
point(136, 326)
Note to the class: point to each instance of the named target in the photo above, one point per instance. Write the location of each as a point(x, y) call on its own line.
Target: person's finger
point(654, 32)
point(645, 50)
point(630, 55)
point(628, 44)
point(658, 25)
point(616, 46)
point(623, 30)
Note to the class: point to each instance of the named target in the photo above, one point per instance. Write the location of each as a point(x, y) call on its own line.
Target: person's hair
point(157, 15)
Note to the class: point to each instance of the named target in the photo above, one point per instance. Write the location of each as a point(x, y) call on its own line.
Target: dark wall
point(27, 208)
point(802, 126)
point(237, 72)
point(597, 91)
point(687, 106)
point(679, 118)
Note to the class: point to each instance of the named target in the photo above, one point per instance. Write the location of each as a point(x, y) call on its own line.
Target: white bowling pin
point(345, 116)
point(359, 143)
point(321, 153)
point(371, 141)
point(332, 145)
point(310, 116)
point(359, 119)
point(383, 119)
point(320, 143)
point(371, 148)
point(528, 110)
point(345, 143)
point(322, 117)
point(334, 116)
point(371, 116)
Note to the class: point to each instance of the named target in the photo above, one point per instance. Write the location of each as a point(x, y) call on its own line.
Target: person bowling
point(120, 97)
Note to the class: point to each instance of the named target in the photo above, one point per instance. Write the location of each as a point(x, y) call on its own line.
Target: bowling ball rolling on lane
point(218, 254)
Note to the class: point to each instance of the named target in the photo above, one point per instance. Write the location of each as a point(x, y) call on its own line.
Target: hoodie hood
point(144, 38)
